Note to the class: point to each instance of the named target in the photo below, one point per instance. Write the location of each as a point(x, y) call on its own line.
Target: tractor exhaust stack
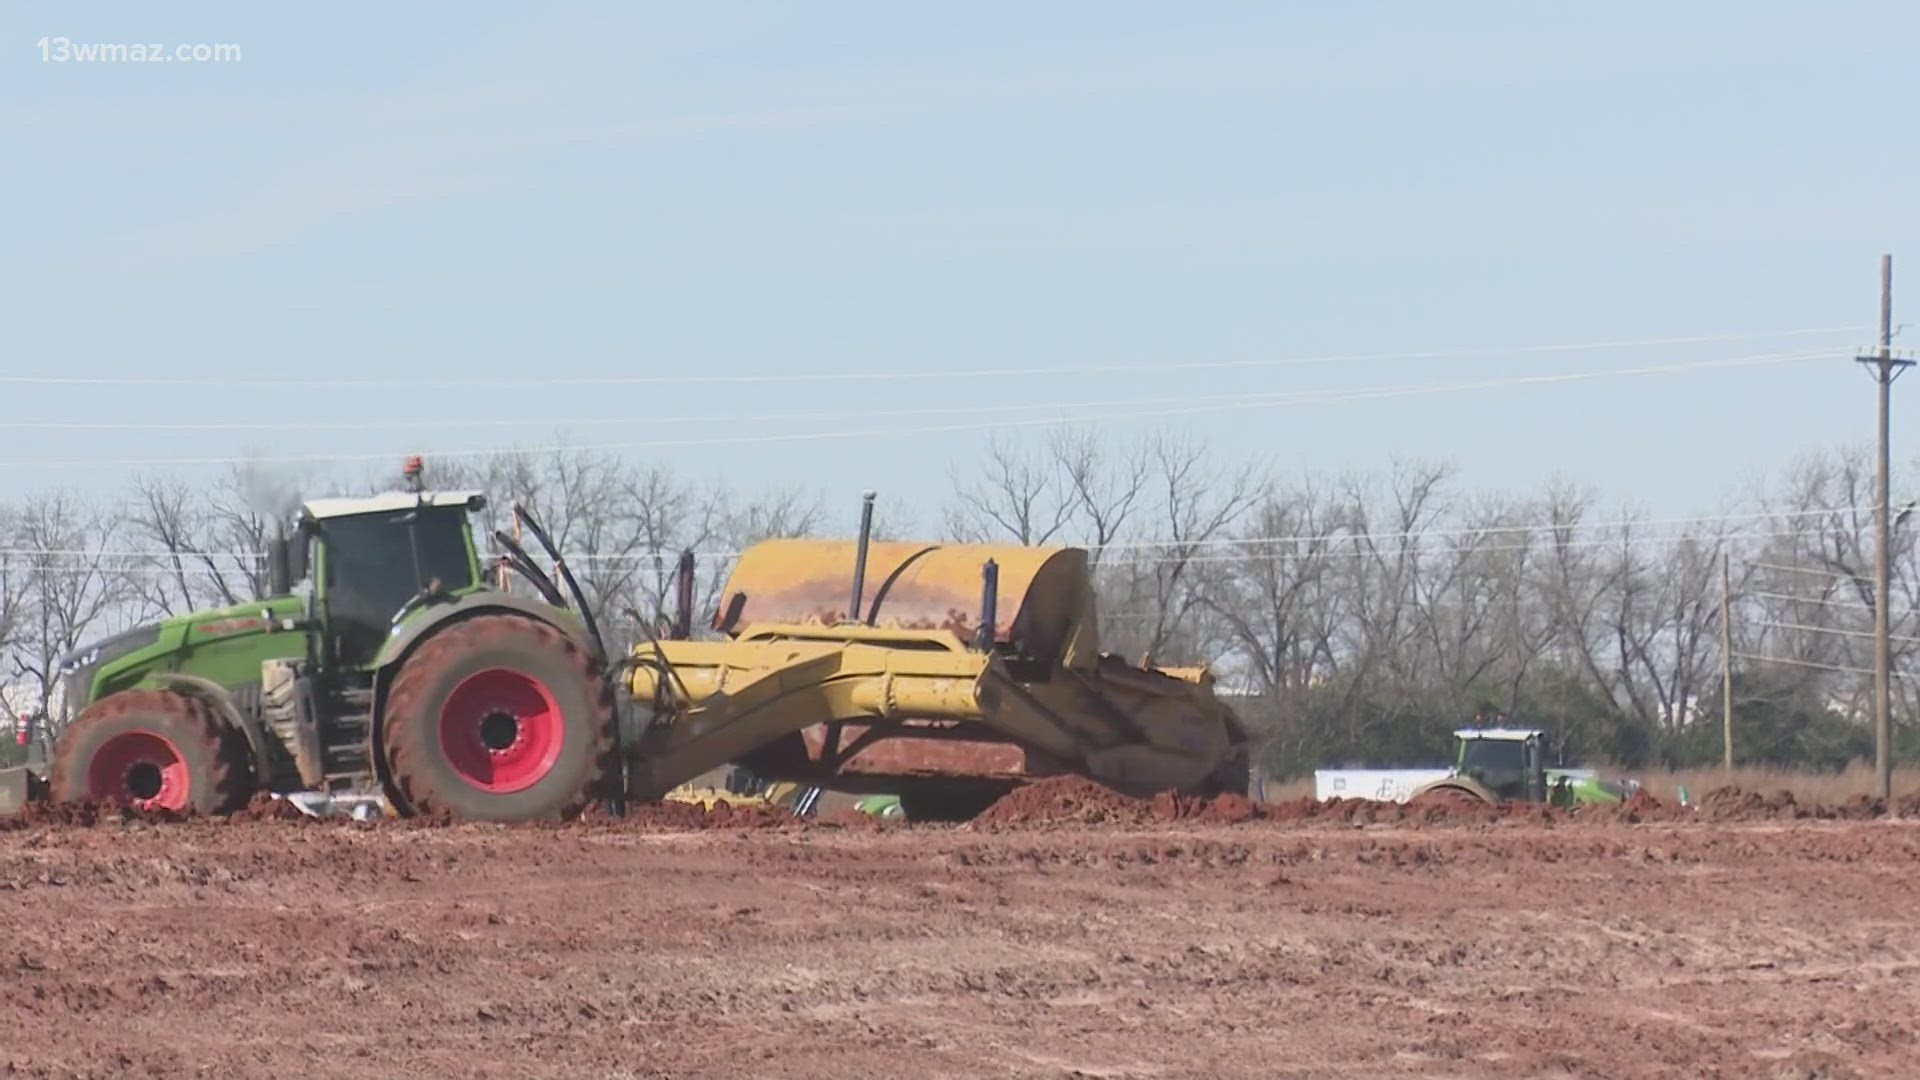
point(860, 557)
point(983, 637)
point(683, 598)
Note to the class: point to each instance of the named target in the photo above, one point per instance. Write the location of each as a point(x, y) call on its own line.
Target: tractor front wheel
point(498, 718)
point(153, 750)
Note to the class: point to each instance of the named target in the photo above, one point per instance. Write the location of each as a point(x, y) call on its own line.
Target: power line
point(1833, 630)
point(411, 423)
point(1710, 337)
point(1543, 549)
point(1492, 530)
point(1811, 600)
point(1808, 569)
point(35, 562)
point(1811, 664)
point(1329, 397)
point(923, 530)
point(1341, 538)
point(737, 418)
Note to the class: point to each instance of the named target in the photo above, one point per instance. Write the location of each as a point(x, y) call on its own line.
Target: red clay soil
point(264, 807)
point(1496, 946)
point(1641, 801)
point(1073, 800)
point(1061, 800)
point(674, 816)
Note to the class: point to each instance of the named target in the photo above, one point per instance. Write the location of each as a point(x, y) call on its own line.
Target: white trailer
point(1379, 785)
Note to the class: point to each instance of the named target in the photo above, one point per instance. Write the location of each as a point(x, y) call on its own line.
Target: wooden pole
point(1726, 664)
point(1886, 368)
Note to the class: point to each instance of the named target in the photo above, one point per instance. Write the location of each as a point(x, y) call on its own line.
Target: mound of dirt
point(1372, 812)
point(1737, 803)
point(1859, 808)
point(42, 814)
point(265, 807)
point(1061, 800)
point(1641, 801)
point(86, 815)
point(1077, 800)
point(679, 815)
point(1226, 809)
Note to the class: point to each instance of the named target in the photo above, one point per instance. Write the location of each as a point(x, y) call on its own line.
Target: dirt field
point(1086, 942)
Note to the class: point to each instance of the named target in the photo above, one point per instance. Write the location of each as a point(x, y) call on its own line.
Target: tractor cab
point(362, 564)
point(1509, 762)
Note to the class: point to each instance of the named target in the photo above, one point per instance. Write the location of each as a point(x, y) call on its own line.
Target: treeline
point(1359, 618)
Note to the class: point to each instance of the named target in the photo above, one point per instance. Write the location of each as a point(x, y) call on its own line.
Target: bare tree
point(72, 587)
point(208, 545)
point(1457, 605)
point(14, 575)
point(1010, 496)
point(1815, 574)
point(1102, 490)
point(1278, 595)
point(621, 527)
point(1522, 626)
point(1384, 572)
point(1196, 502)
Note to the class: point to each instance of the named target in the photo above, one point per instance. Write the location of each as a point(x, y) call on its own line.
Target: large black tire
point(498, 718)
point(153, 749)
point(1234, 776)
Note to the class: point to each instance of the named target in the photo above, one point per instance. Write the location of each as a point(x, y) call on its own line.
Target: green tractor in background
point(1509, 765)
point(383, 670)
point(882, 806)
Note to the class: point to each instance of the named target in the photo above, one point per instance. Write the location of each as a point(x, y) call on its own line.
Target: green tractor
point(1509, 765)
point(383, 671)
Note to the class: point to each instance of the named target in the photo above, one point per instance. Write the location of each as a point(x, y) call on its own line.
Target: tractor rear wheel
point(1446, 796)
point(498, 718)
point(153, 750)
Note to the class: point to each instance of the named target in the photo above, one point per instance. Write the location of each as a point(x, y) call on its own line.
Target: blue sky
point(430, 192)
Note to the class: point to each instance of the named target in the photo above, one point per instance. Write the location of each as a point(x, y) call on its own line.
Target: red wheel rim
point(141, 769)
point(500, 730)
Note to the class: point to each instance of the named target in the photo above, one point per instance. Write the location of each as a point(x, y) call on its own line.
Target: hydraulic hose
point(516, 557)
point(586, 613)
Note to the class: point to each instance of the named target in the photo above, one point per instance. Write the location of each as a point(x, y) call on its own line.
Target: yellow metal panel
point(1044, 593)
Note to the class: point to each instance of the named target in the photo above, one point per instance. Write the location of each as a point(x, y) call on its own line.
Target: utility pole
point(1726, 665)
point(1886, 368)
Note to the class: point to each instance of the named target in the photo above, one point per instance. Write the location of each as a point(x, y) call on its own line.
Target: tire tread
point(414, 786)
point(229, 778)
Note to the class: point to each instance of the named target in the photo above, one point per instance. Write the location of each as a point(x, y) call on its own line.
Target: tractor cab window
point(1495, 756)
point(375, 563)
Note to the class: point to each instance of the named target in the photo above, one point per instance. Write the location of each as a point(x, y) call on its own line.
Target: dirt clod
point(263, 806)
